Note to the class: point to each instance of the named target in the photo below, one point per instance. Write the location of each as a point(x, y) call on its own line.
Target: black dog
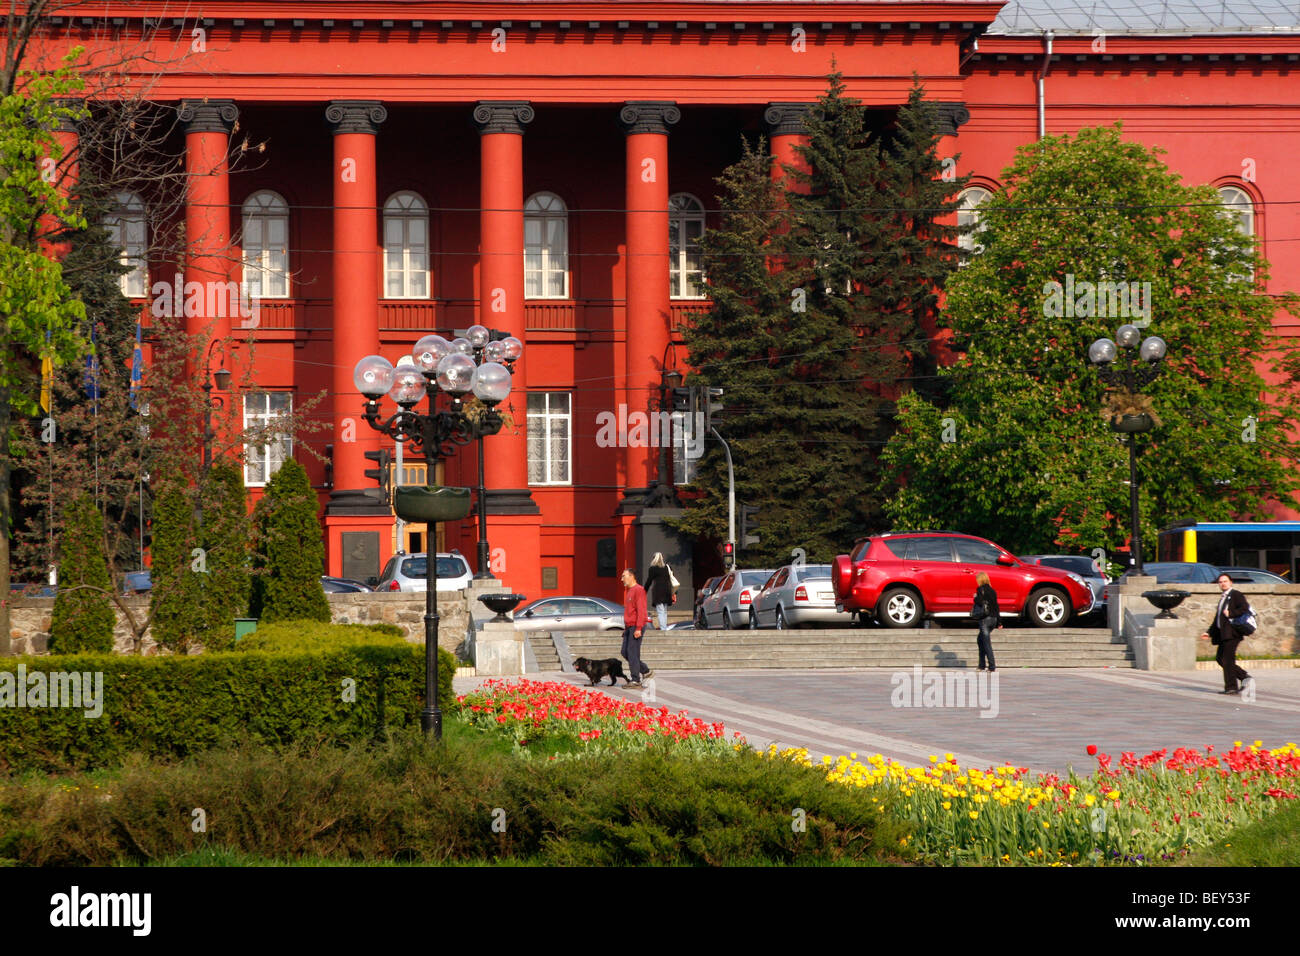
point(597, 671)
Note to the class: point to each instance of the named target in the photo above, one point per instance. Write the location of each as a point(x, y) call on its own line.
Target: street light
point(222, 379)
point(1128, 410)
point(439, 367)
point(502, 348)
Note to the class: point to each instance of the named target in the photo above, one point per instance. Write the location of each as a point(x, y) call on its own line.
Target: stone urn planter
point(1166, 599)
point(1133, 423)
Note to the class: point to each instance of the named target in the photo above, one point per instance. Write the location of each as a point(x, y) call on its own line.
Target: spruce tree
point(83, 609)
point(227, 534)
point(290, 550)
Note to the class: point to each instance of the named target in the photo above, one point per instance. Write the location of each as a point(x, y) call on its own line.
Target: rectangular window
point(550, 434)
point(266, 257)
point(264, 415)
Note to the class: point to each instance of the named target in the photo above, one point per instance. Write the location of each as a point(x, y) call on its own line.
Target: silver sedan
point(728, 606)
point(570, 614)
point(796, 595)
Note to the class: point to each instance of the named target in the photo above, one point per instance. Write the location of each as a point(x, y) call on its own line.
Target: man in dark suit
point(1222, 633)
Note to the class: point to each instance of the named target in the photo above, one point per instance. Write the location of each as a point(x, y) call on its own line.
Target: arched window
point(127, 230)
point(406, 247)
point(685, 227)
point(266, 246)
point(1240, 206)
point(968, 215)
point(546, 247)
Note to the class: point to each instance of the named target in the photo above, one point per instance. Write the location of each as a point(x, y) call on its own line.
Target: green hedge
point(178, 705)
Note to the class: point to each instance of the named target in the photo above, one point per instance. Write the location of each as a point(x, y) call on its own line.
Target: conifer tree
point(83, 610)
point(290, 550)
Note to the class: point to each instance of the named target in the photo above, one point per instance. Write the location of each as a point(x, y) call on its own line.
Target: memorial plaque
point(360, 555)
point(606, 558)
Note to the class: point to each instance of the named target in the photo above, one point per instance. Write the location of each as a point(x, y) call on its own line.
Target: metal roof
point(1148, 17)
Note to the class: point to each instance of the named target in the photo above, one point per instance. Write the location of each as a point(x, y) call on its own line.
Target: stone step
point(1006, 664)
point(1025, 660)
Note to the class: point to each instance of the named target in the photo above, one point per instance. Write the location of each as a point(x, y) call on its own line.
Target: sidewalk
point(1044, 720)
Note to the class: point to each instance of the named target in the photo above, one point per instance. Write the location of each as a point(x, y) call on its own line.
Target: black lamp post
point(491, 345)
point(221, 377)
point(1130, 413)
point(664, 494)
point(440, 367)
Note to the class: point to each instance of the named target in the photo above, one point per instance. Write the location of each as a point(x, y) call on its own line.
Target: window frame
point(679, 272)
point(964, 208)
point(260, 420)
point(405, 215)
point(544, 418)
point(128, 210)
point(276, 209)
point(534, 211)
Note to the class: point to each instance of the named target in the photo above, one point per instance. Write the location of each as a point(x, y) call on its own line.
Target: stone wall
point(29, 619)
point(1276, 606)
point(406, 610)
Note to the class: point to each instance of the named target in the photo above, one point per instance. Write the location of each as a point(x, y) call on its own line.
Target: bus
point(1270, 545)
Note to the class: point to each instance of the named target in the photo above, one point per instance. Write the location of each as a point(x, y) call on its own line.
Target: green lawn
point(1274, 841)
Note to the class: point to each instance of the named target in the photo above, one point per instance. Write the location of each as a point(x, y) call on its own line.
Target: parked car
point(1181, 572)
point(1085, 567)
point(1255, 576)
point(137, 582)
point(346, 585)
point(728, 605)
point(406, 572)
point(797, 595)
point(572, 613)
point(709, 587)
point(900, 578)
point(21, 589)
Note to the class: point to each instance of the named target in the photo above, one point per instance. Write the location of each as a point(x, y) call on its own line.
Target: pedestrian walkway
point(1043, 719)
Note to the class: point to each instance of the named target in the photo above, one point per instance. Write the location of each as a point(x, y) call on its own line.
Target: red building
point(544, 168)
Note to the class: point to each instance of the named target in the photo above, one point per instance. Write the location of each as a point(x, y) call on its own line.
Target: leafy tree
point(83, 611)
point(1022, 455)
point(291, 551)
point(38, 317)
point(823, 290)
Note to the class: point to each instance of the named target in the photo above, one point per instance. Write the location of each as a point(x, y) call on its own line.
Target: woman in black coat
point(987, 598)
point(1228, 638)
point(659, 589)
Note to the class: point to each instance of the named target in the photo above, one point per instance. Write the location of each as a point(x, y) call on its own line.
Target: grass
point(1273, 841)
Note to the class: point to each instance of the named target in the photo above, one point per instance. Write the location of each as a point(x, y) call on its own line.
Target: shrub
point(284, 636)
point(172, 706)
point(83, 611)
point(405, 800)
point(291, 552)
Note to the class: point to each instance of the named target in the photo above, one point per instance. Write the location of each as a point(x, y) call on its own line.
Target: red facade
point(478, 107)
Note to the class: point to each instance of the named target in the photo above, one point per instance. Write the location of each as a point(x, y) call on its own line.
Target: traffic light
point(712, 407)
point(683, 399)
point(748, 526)
point(729, 553)
point(382, 474)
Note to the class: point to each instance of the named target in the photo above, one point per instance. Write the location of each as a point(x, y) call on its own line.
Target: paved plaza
point(1044, 720)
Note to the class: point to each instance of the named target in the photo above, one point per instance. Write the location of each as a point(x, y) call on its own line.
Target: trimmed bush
point(408, 801)
point(291, 550)
point(172, 706)
point(83, 618)
point(282, 636)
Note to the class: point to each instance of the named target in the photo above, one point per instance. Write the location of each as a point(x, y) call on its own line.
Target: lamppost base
point(431, 723)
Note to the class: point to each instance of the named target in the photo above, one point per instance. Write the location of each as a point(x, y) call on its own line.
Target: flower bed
point(560, 717)
point(1147, 810)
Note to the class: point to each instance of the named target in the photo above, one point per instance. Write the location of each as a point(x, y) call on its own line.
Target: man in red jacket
point(635, 618)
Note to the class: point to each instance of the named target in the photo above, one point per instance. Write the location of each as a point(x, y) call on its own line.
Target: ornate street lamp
point(490, 345)
point(441, 367)
point(1128, 410)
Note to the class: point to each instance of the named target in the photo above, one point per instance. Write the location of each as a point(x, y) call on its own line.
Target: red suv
point(898, 578)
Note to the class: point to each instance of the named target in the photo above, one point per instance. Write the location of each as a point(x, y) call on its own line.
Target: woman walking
point(986, 611)
point(659, 589)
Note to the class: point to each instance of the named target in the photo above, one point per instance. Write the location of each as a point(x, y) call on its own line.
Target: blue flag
point(137, 365)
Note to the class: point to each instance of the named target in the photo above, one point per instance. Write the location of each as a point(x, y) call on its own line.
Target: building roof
point(1148, 17)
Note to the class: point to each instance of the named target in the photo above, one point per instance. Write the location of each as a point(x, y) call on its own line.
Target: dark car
point(1255, 576)
point(1082, 565)
point(342, 585)
point(901, 578)
point(1181, 572)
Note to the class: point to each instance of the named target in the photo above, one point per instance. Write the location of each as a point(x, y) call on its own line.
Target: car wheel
point(899, 607)
point(1049, 607)
point(781, 625)
point(753, 620)
point(726, 619)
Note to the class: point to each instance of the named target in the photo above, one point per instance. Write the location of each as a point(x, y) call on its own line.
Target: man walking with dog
point(635, 618)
